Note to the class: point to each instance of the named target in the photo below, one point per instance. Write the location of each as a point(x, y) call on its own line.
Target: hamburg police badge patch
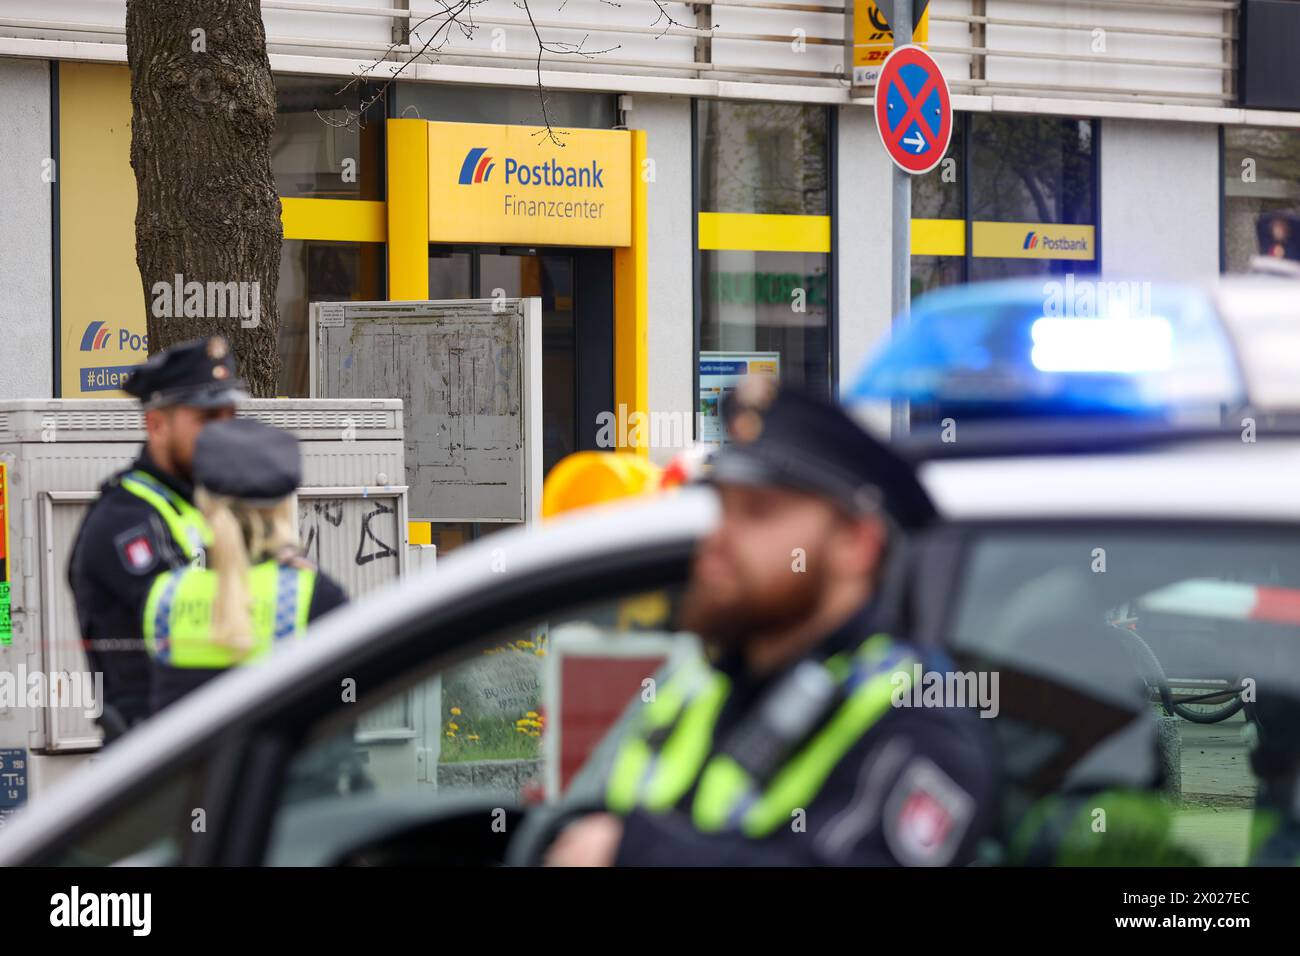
point(136, 549)
point(926, 816)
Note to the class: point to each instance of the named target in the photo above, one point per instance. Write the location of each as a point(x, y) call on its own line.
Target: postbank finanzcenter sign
point(509, 184)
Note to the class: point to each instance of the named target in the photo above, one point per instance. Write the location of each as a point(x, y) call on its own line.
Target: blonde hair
point(242, 535)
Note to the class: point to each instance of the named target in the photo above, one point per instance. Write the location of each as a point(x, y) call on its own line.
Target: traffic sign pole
point(901, 270)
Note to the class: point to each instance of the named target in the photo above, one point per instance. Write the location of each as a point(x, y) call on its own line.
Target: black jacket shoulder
point(326, 595)
point(113, 524)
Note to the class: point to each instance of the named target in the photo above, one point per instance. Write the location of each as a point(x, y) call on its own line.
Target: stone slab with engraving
point(506, 684)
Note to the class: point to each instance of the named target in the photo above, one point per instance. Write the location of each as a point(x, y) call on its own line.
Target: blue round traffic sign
point(913, 110)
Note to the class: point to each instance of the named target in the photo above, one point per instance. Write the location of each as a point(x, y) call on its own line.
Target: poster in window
point(719, 374)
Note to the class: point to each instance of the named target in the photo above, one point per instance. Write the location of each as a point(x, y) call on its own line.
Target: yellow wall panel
point(99, 280)
point(334, 220)
point(631, 303)
point(408, 210)
point(763, 232)
point(938, 237)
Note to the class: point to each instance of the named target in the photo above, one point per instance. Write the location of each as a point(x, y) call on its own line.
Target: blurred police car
point(1115, 463)
point(1118, 545)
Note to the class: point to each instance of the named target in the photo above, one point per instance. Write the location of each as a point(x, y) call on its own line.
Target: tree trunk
point(207, 223)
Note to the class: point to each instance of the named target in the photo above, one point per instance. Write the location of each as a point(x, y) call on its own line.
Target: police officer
point(790, 745)
point(257, 589)
point(145, 521)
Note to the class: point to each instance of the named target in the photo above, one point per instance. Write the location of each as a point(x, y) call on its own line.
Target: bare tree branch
point(452, 13)
point(558, 47)
point(459, 14)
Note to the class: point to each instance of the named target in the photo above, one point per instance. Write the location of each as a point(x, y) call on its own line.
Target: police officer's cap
point(1279, 235)
point(200, 373)
point(791, 439)
point(243, 458)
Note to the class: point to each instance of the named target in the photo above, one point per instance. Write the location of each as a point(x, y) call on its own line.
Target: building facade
point(746, 220)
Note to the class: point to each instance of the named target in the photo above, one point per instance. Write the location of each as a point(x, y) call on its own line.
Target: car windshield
point(1153, 657)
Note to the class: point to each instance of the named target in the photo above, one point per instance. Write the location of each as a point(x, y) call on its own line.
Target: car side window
point(151, 830)
point(1160, 660)
point(516, 718)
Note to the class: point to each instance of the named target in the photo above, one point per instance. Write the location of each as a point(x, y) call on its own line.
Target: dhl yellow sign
point(873, 37)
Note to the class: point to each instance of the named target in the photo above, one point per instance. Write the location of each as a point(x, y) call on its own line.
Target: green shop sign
point(767, 288)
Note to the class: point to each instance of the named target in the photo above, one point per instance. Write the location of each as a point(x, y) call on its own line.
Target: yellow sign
point(938, 237)
point(873, 37)
point(97, 354)
point(513, 184)
point(1032, 240)
point(101, 300)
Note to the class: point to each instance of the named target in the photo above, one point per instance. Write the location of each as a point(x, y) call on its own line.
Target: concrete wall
point(670, 329)
point(862, 237)
point(1159, 199)
point(26, 301)
point(1094, 44)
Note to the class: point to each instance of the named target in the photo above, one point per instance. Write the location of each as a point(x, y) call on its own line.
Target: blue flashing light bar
point(1056, 346)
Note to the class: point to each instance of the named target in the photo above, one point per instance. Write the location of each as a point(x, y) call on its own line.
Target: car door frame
point(247, 734)
point(274, 742)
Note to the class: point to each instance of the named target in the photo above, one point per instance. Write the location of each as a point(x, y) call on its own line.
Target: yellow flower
point(527, 644)
point(540, 652)
point(450, 734)
point(473, 737)
point(454, 726)
point(455, 711)
point(531, 713)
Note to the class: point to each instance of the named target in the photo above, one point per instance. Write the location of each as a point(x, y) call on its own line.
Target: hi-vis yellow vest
point(669, 747)
point(178, 614)
point(183, 520)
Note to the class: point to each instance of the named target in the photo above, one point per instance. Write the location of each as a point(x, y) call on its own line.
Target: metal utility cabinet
point(469, 372)
point(54, 454)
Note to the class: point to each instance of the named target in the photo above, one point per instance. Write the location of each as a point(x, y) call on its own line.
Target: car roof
point(1262, 315)
point(1223, 478)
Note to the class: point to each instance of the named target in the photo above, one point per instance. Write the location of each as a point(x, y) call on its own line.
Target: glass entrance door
point(576, 287)
point(550, 277)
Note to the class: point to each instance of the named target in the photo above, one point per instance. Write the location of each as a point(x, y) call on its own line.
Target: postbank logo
point(507, 184)
point(1033, 240)
point(95, 337)
point(117, 351)
point(477, 167)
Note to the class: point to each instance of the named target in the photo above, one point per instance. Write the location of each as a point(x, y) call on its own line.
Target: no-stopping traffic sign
point(913, 110)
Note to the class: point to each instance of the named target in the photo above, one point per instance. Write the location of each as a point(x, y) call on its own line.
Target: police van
point(1119, 543)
